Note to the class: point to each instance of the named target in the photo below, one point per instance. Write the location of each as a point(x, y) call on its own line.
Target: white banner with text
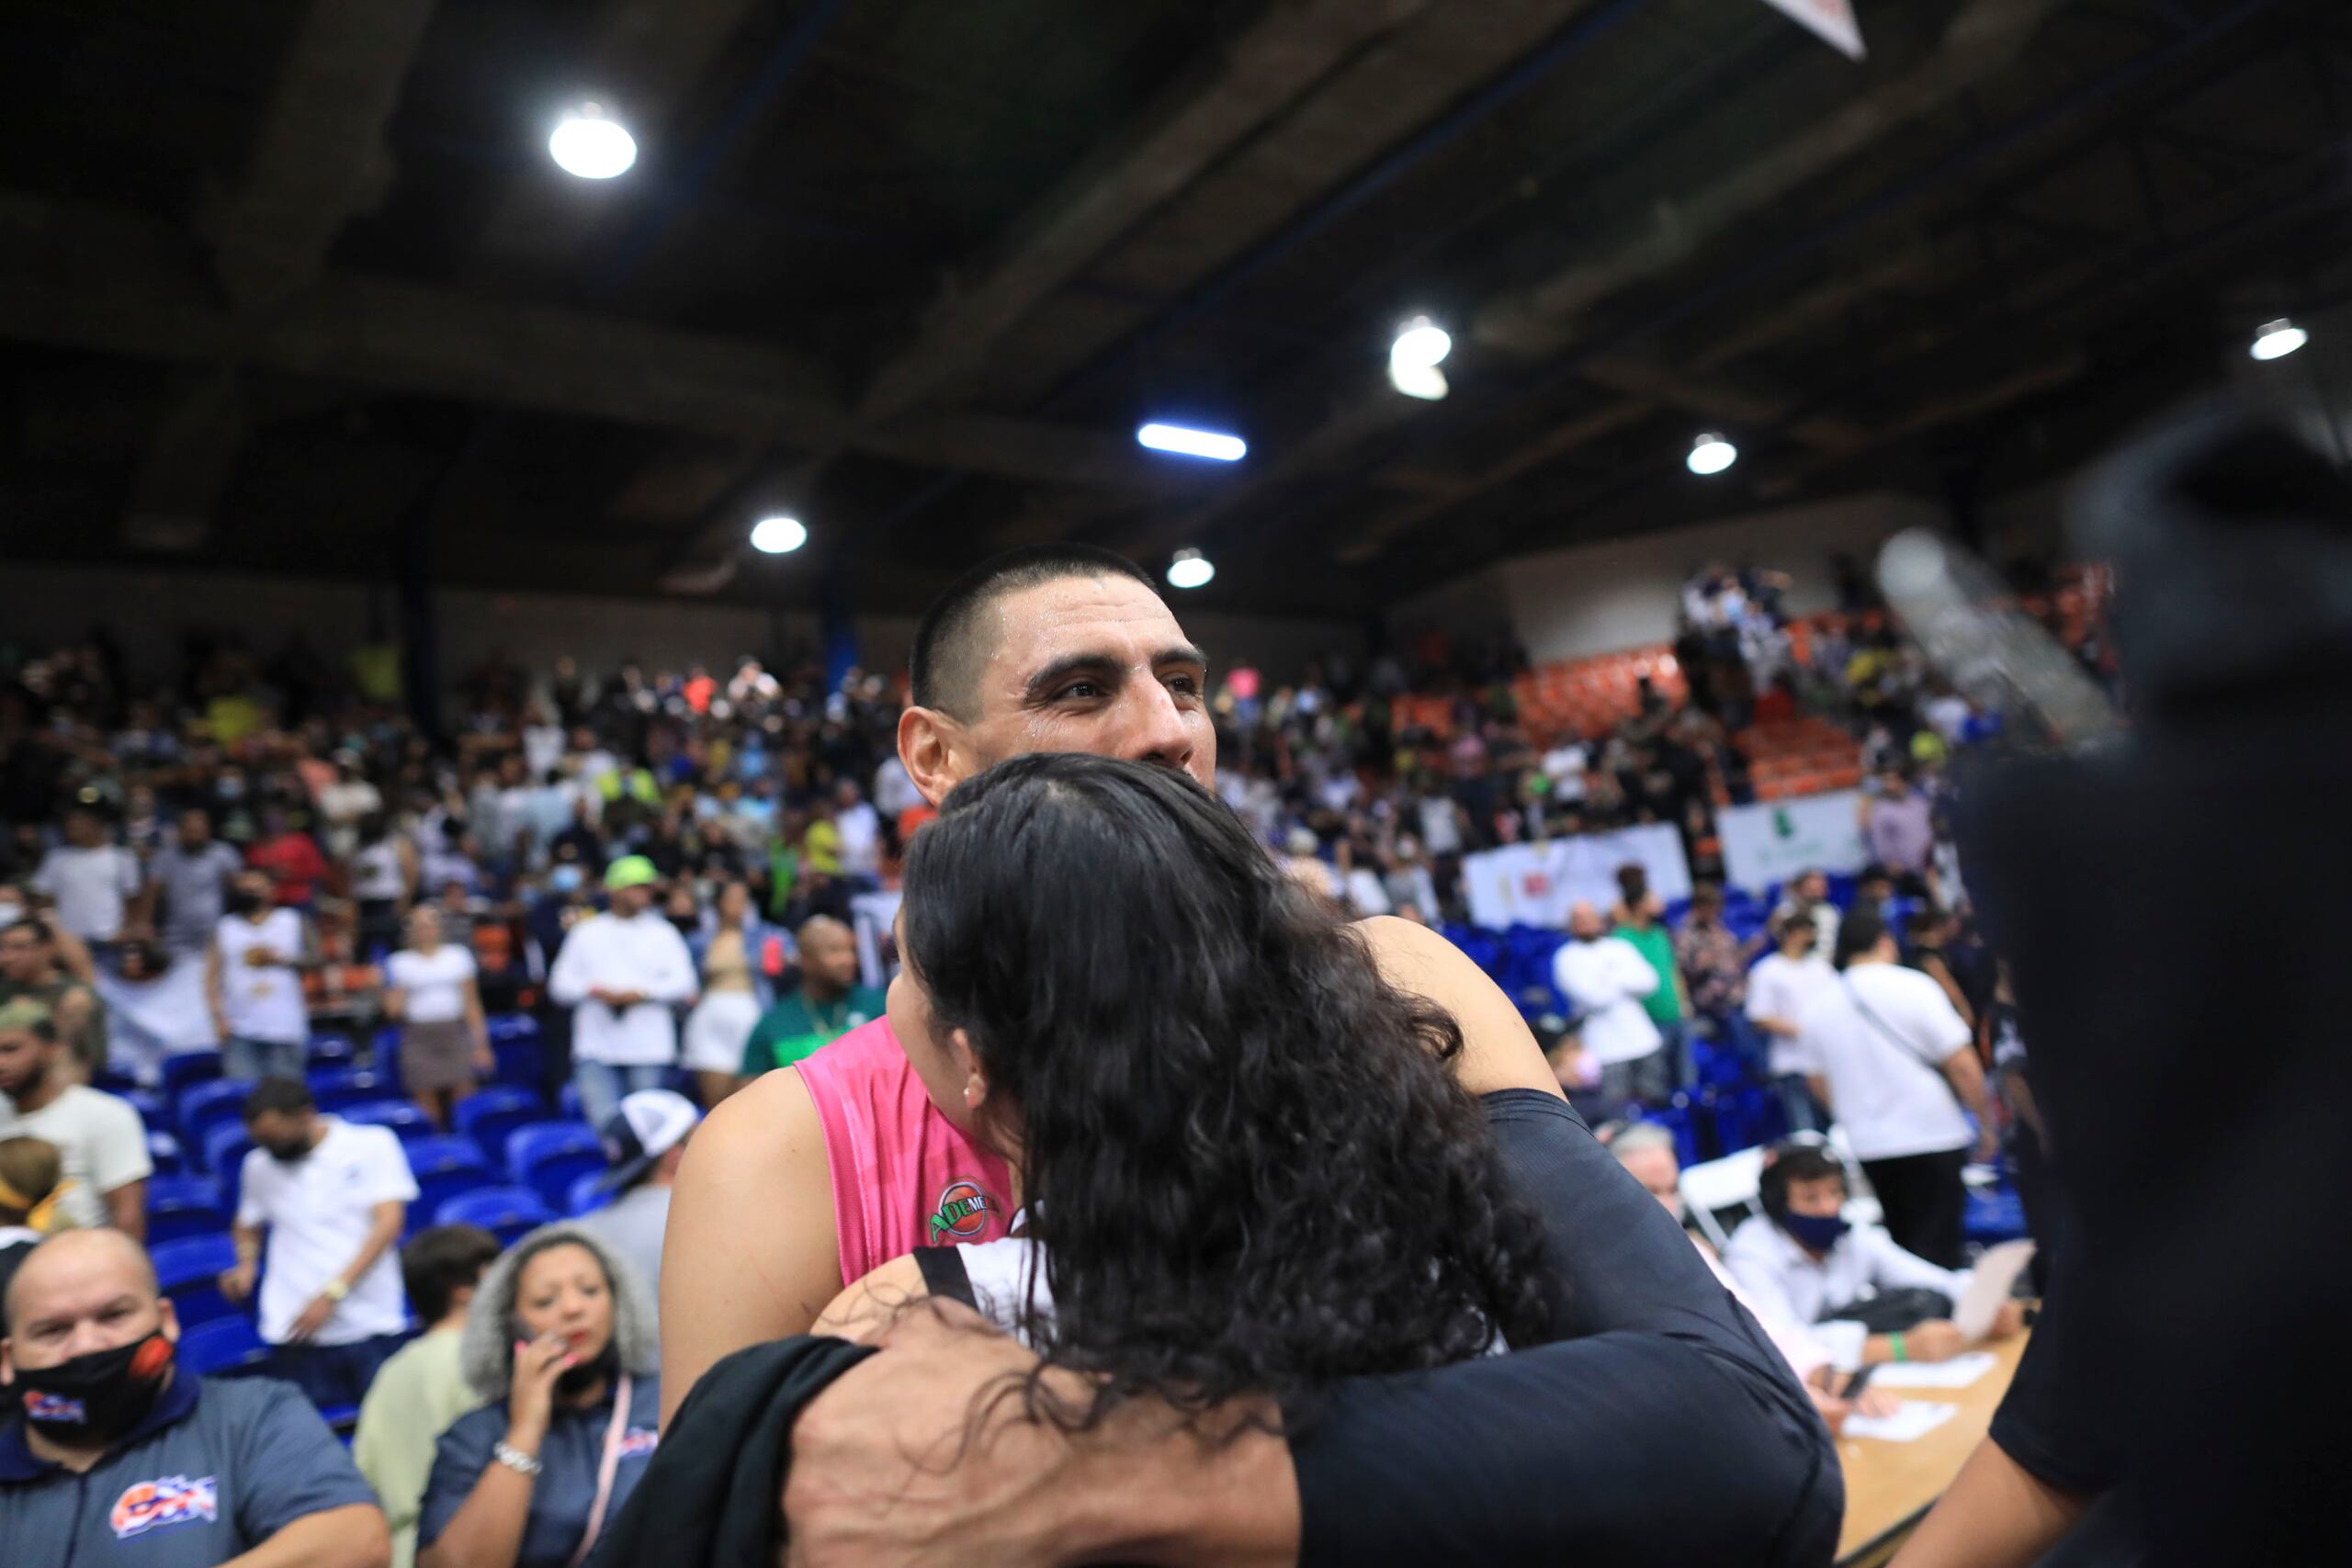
point(1534, 884)
point(1772, 841)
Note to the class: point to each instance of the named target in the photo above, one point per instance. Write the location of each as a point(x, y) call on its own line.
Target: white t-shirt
point(434, 984)
point(894, 789)
point(89, 888)
point(1606, 980)
point(318, 1212)
point(99, 1139)
point(645, 955)
point(861, 830)
point(1441, 830)
point(1782, 987)
point(1886, 1082)
point(262, 1002)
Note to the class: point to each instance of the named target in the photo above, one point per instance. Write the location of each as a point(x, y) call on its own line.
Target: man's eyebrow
point(1182, 653)
point(1042, 683)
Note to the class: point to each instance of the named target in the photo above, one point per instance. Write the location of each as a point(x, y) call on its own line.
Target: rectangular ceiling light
point(1211, 444)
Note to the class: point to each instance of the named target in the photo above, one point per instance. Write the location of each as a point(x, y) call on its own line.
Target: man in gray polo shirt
point(104, 1441)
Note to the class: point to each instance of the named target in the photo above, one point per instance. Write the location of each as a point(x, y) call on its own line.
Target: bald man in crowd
point(106, 1440)
point(828, 1005)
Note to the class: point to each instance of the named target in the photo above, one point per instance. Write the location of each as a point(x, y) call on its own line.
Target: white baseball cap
point(645, 1126)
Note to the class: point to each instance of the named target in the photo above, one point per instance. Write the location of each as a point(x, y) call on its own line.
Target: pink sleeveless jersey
point(903, 1177)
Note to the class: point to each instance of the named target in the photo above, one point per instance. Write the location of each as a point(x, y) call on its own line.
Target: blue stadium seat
point(189, 1272)
point(586, 1197)
point(151, 1107)
point(507, 1212)
point(1992, 1217)
point(400, 1115)
point(225, 1148)
point(331, 1051)
point(510, 1026)
point(384, 1052)
point(491, 1115)
point(206, 1105)
point(551, 1156)
point(223, 1348)
point(338, 1087)
point(1677, 1119)
point(179, 1206)
point(113, 1081)
point(1748, 1116)
point(185, 1067)
point(443, 1168)
point(567, 1100)
point(164, 1154)
point(520, 1061)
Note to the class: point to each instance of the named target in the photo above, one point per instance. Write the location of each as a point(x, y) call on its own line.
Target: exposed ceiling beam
point(1542, 320)
point(1291, 49)
point(321, 158)
point(187, 463)
point(96, 278)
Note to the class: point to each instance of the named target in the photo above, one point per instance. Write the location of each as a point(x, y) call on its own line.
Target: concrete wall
point(1599, 598)
point(149, 613)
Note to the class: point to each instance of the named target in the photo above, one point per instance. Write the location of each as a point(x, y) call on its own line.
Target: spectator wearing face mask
point(1647, 1151)
point(622, 973)
point(332, 1197)
point(112, 1452)
point(1780, 988)
point(253, 987)
point(1868, 1299)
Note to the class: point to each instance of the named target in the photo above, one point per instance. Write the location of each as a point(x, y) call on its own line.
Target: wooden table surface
point(1889, 1485)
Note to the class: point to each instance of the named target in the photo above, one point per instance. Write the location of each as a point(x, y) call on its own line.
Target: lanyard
point(605, 1471)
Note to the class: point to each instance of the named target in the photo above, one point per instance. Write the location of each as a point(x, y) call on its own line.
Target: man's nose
point(1157, 733)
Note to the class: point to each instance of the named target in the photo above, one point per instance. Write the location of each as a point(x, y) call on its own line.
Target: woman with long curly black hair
point(1243, 1164)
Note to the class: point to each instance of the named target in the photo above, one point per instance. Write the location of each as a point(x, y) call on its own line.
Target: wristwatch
point(334, 1290)
point(515, 1459)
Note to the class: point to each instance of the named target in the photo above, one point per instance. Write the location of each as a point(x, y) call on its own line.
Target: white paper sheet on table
point(1958, 1372)
point(1915, 1420)
point(1988, 1286)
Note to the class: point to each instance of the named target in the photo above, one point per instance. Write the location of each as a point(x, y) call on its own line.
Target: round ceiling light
point(1711, 454)
point(778, 535)
point(1190, 569)
point(590, 146)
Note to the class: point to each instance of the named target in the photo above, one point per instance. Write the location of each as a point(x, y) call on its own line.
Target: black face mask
point(294, 1151)
point(242, 903)
point(97, 1397)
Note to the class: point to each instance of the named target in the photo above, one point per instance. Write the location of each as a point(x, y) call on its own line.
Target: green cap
point(630, 871)
point(25, 1013)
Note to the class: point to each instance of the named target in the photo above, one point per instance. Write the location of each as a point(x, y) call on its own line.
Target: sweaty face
point(563, 1290)
point(1092, 664)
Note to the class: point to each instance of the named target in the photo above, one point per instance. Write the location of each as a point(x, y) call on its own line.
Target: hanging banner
point(1533, 884)
point(1767, 843)
point(1832, 19)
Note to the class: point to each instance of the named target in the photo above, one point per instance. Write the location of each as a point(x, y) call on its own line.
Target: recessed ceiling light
point(592, 146)
point(778, 535)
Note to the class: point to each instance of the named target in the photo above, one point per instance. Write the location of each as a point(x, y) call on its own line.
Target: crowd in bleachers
point(506, 964)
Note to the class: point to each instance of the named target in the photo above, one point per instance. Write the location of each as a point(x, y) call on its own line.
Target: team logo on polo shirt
point(54, 1407)
point(961, 1215)
point(168, 1500)
point(640, 1440)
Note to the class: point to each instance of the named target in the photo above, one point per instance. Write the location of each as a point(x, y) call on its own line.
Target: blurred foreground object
point(2177, 908)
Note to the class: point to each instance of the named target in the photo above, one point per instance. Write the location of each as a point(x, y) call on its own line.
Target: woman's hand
point(531, 1405)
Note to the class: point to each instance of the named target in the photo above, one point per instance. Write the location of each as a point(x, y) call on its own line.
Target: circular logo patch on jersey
point(961, 1215)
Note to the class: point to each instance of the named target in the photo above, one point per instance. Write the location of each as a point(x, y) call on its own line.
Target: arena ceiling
point(292, 285)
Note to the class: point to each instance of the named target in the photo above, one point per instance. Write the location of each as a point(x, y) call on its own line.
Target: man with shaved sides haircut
point(812, 1177)
point(106, 1441)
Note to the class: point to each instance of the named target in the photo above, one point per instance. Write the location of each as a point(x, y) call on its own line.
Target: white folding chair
point(1726, 1184)
point(1862, 1203)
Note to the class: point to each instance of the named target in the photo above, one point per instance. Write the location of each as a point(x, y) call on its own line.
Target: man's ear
point(168, 1318)
point(929, 741)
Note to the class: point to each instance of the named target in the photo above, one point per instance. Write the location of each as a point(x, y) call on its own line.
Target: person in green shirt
point(1637, 919)
point(829, 1004)
point(421, 1389)
point(821, 848)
